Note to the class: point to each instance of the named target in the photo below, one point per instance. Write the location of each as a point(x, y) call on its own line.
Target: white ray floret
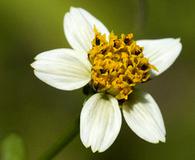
point(143, 116)
point(64, 69)
point(162, 53)
point(79, 26)
point(100, 122)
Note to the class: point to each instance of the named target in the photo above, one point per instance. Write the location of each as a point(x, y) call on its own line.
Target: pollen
point(118, 64)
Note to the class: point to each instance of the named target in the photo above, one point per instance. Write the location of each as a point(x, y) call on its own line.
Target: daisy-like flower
point(111, 67)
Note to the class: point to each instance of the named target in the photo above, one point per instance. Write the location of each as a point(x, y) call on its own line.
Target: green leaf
point(12, 148)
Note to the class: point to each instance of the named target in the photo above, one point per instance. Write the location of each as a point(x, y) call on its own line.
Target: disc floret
point(118, 64)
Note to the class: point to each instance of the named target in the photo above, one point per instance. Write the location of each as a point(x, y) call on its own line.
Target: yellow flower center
point(117, 65)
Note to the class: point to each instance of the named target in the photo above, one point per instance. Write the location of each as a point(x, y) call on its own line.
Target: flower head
point(112, 66)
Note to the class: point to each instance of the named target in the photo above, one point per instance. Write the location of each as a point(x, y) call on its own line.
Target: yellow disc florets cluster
point(117, 65)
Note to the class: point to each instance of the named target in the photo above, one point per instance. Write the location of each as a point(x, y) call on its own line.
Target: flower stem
point(142, 15)
point(61, 143)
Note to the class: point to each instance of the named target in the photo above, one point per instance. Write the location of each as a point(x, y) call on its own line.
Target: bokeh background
point(40, 114)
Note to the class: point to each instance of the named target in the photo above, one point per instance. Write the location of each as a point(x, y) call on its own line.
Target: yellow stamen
point(117, 65)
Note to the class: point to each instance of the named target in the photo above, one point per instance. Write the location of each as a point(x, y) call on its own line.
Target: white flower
point(69, 69)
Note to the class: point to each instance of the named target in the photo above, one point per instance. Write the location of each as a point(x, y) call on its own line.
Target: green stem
point(142, 6)
point(61, 143)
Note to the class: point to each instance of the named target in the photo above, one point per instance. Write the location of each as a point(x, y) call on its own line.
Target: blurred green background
point(40, 113)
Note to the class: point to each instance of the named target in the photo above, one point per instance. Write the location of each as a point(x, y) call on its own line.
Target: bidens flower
point(112, 67)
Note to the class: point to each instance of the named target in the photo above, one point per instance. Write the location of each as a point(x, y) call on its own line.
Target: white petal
point(143, 116)
point(162, 53)
point(62, 68)
point(100, 122)
point(78, 28)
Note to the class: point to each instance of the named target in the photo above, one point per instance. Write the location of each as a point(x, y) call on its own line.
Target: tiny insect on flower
point(112, 66)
